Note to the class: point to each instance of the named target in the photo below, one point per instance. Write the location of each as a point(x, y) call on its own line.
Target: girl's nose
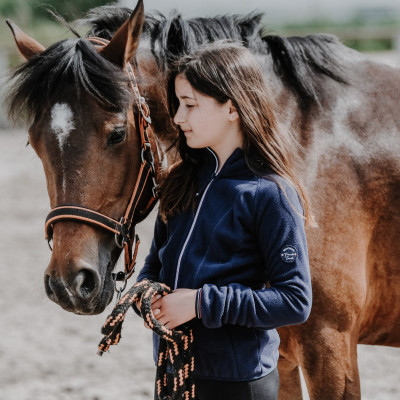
point(179, 117)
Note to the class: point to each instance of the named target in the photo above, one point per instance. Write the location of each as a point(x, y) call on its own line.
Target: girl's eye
point(189, 105)
point(116, 136)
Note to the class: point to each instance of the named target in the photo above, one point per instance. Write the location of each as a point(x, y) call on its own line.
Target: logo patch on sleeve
point(289, 254)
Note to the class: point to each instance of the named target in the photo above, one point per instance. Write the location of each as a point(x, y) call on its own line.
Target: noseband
point(124, 228)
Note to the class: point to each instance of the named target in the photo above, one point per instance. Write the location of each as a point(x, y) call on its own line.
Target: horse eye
point(116, 136)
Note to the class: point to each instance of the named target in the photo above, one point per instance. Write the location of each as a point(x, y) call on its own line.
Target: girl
point(230, 236)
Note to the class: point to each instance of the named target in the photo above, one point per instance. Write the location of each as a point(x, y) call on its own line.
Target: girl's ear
point(233, 114)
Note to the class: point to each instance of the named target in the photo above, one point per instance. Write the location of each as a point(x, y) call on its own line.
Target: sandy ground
point(49, 354)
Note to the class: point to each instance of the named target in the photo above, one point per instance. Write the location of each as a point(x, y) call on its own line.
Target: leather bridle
point(124, 228)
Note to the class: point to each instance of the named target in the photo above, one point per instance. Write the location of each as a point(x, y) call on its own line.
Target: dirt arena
point(49, 354)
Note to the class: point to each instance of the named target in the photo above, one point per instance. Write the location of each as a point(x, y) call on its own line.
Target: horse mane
point(297, 61)
point(68, 64)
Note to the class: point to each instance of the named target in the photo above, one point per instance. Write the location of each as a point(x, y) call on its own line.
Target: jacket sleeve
point(282, 242)
point(152, 264)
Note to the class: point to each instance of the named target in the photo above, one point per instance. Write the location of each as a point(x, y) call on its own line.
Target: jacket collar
point(234, 165)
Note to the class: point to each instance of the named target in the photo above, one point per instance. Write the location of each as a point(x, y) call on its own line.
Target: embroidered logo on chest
point(289, 254)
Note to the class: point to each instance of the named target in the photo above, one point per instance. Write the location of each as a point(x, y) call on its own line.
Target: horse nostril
point(85, 283)
point(47, 286)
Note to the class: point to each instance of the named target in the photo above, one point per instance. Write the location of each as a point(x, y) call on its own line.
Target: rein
point(124, 228)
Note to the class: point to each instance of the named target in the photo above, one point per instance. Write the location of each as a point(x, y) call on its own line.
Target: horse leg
point(329, 366)
point(289, 377)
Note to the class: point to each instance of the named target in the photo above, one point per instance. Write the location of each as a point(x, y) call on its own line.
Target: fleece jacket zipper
point(178, 267)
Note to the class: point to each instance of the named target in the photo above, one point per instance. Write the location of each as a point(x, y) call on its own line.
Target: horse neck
point(290, 116)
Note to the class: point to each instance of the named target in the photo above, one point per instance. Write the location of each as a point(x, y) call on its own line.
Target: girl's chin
point(194, 145)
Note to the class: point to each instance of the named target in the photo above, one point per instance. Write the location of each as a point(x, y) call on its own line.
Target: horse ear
point(125, 41)
point(26, 45)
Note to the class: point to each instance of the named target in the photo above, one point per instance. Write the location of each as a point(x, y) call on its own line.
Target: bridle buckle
point(119, 238)
point(119, 277)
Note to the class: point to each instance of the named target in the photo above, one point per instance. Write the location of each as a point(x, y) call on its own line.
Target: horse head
point(83, 113)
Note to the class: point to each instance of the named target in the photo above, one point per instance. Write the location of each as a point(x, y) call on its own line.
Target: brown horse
point(344, 110)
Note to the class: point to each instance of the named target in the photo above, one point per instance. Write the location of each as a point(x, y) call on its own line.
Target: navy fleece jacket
point(246, 231)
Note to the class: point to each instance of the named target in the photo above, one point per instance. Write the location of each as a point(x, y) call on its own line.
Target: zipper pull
point(199, 193)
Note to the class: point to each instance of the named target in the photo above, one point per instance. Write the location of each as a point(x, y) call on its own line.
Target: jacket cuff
point(198, 303)
point(213, 300)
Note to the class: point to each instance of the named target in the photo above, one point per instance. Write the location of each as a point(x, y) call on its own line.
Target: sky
point(279, 10)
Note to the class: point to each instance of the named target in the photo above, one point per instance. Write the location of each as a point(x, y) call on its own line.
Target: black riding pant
point(265, 388)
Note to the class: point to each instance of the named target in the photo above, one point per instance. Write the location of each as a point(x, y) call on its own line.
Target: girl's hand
point(175, 308)
point(139, 305)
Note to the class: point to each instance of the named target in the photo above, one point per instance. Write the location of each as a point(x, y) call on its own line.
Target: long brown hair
point(228, 71)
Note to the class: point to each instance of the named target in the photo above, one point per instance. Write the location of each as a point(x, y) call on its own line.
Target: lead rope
point(176, 345)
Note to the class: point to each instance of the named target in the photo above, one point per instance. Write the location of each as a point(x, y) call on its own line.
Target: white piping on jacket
point(178, 267)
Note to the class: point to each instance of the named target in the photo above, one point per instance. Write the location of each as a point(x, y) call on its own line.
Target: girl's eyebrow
point(184, 97)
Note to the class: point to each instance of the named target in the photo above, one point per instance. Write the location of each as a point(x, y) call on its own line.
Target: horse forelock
point(73, 65)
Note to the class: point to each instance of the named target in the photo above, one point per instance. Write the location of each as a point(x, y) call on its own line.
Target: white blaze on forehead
point(62, 122)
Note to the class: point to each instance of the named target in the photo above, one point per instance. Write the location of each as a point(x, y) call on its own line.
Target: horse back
point(351, 169)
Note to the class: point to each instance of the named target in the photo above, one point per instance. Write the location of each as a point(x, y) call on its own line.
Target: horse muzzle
point(80, 280)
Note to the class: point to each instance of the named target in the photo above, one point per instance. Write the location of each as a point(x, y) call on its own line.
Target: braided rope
point(175, 345)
